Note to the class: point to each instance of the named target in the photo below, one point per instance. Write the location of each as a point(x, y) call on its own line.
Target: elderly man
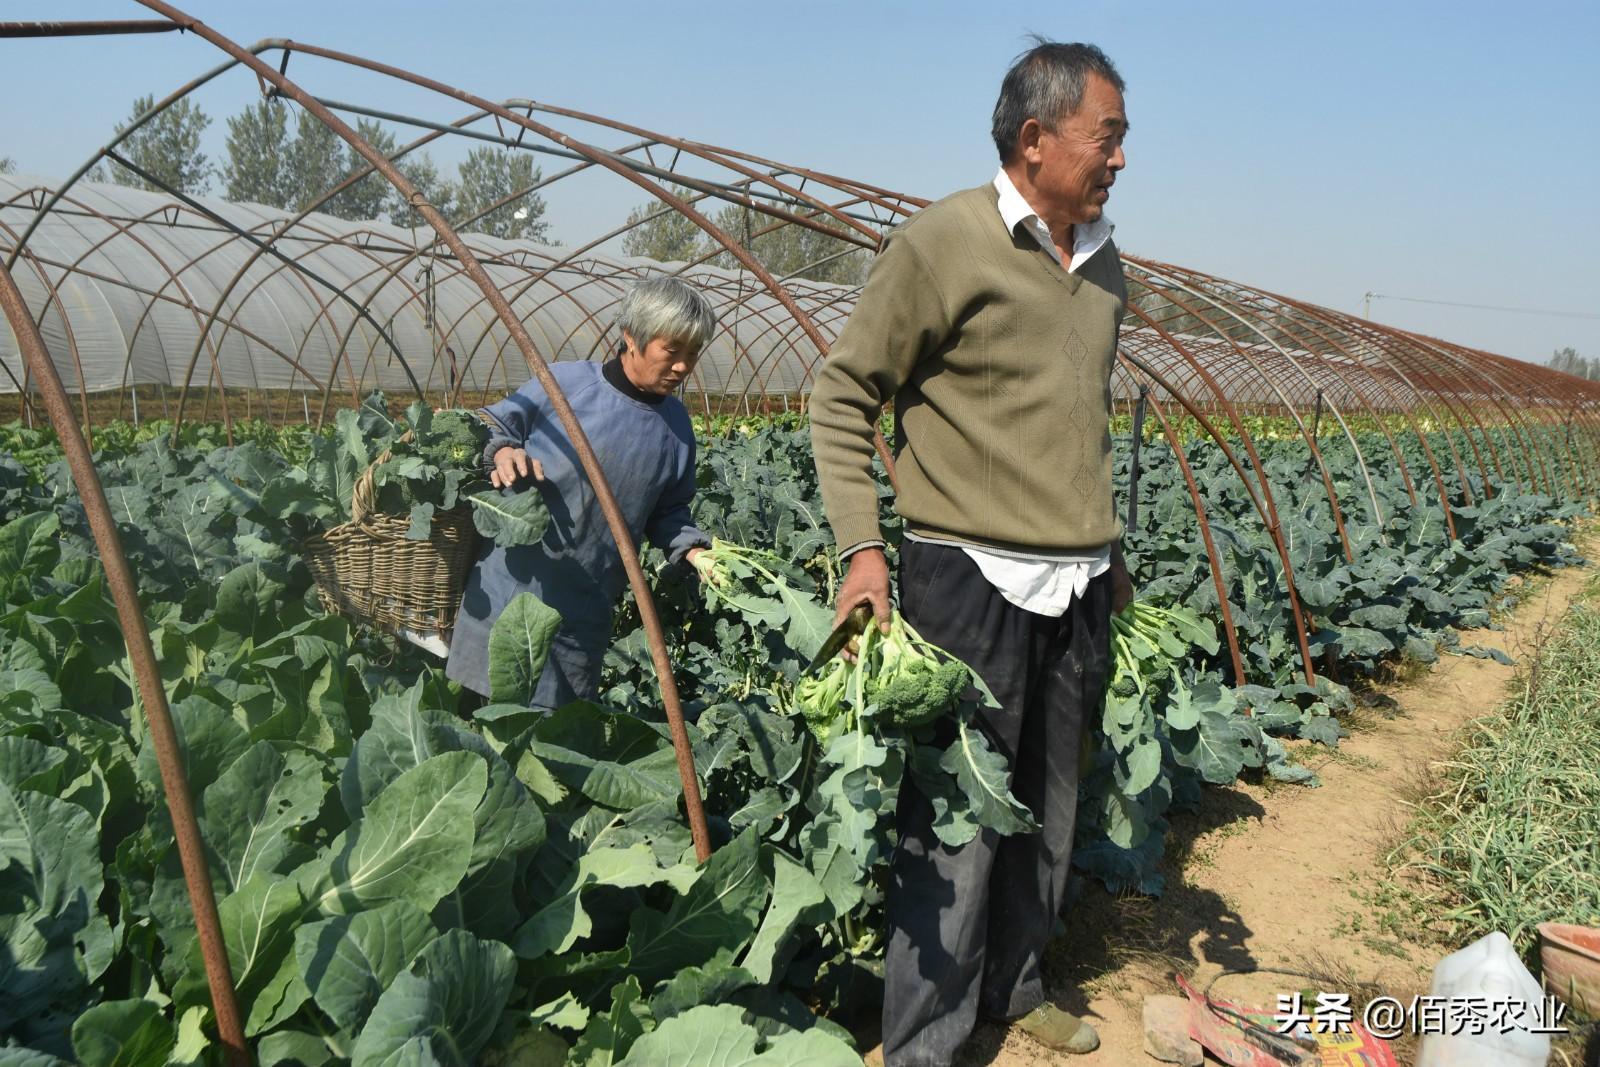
point(645, 444)
point(990, 319)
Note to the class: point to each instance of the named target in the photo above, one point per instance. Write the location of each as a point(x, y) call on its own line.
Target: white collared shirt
point(1087, 238)
point(1043, 584)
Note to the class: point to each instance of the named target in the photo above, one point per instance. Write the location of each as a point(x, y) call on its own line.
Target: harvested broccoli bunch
point(907, 682)
point(455, 441)
point(821, 700)
point(914, 682)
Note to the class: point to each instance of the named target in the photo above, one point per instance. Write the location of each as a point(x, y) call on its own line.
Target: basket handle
point(362, 503)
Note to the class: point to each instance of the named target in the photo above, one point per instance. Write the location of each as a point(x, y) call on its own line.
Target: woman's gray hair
point(1046, 83)
point(665, 307)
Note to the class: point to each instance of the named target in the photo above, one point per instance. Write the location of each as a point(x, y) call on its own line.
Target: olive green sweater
point(999, 364)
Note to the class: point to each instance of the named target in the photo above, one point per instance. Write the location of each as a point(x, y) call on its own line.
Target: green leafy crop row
point(397, 881)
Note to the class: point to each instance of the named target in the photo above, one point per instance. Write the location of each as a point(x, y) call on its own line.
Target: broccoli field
point(399, 882)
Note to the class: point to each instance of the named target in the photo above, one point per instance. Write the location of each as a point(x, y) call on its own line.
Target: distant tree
point(421, 171)
point(7, 165)
point(370, 197)
point(661, 234)
point(491, 174)
point(259, 155)
point(316, 161)
point(1568, 361)
point(792, 249)
point(168, 146)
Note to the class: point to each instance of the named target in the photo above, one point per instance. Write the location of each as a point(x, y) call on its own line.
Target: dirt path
point(1267, 875)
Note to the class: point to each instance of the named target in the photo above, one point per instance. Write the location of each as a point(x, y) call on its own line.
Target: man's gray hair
point(665, 307)
point(1046, 83)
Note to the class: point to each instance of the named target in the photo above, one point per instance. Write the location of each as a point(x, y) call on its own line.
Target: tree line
point(280, 155)
point(658, 232)
point(1568, 360)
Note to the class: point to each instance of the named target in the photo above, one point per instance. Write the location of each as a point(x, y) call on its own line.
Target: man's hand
point(866, 582)
point(511, 464)
point(705, 573)
point(1121, 583)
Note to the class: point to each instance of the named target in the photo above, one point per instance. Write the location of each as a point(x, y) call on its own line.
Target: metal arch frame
point(604, 158)
point(162, 296)
point(704, 258)
point(53, 298)
point(216, 312)
point(727, 159)
point(120, 229)
point(1476, 385)
point(571, 257)
point(281, 228)
point(1535, 399)
point(1396, 367)
point(1422, 370)
point(428, 250)
point(1222, 300)
point(1451, 366)
point(300, 269)
point(1531, 458)
point(125, 228)
point(1302, 319)
point(574, 430)
point(1327, 477)
point(1497, 370)
point(742, 349)
point(1264, 504)
point(1214, 558)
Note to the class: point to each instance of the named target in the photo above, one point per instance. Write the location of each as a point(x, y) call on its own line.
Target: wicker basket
point(370, 570)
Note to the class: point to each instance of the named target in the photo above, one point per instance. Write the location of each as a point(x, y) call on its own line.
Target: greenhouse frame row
point(207, 308)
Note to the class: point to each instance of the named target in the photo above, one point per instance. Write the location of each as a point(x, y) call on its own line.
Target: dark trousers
point(968, 926)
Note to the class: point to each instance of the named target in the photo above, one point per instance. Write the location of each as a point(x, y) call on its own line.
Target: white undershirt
point(1044, 584)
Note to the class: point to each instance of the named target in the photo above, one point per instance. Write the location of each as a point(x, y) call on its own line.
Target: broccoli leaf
point(510, 520)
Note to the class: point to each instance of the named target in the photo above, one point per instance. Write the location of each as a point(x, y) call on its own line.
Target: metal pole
point(607, 500)
point(1316, 422)
point(152, 695)
point(87, 29)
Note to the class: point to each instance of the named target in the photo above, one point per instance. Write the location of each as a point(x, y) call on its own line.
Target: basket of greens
point(416, 508)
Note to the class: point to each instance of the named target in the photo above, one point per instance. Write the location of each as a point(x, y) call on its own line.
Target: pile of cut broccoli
point(1147, 640)
point(897, 679)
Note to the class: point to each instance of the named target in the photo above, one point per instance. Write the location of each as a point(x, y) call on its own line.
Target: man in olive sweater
point(990, 319)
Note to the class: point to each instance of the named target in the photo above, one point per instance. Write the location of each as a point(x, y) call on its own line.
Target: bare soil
point(1274, 875)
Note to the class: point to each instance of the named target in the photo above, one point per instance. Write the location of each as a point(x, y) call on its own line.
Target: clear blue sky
point(1446, 151)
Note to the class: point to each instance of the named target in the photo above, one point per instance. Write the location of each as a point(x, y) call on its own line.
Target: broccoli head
point(922, 689)
point(1125, 685)
point(914, 682)
point(455, 441)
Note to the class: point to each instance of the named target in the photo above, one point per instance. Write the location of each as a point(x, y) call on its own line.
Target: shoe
point(1058, 1030)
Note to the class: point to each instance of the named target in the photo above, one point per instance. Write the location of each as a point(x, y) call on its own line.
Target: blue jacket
point(647, 451)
